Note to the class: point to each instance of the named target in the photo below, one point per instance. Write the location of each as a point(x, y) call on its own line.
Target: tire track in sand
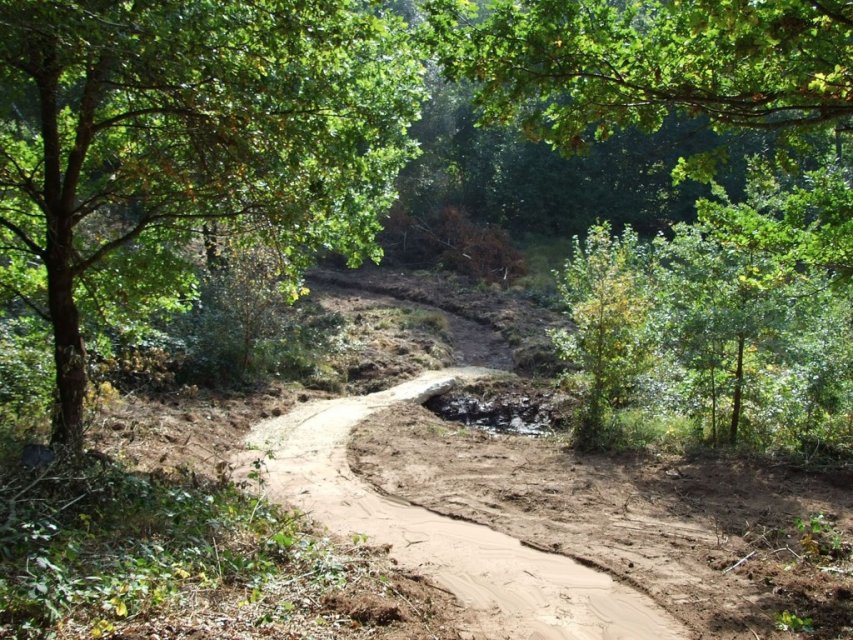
point(509, 590)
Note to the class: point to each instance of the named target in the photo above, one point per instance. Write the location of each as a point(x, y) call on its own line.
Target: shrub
point(605, 288)
point(245, 328)
point(485, 253)
point(26, 370)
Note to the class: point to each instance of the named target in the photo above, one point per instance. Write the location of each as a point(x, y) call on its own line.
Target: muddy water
point(510, 591)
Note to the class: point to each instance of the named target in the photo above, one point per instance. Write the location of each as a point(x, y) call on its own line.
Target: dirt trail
point(508, 590)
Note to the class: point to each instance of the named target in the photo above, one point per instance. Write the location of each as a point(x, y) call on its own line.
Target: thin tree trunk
point(738, 394)
point(839, 145)
point(598, 374)
point(214, 253)
point(69, 357)
point(713, 403)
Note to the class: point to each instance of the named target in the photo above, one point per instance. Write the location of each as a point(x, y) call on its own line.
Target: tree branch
point(110, 246)
point(47, 81)
point(27, 185)
point(44, 315)
point(85, 129)
point(23, 237)
point(146, 222)
point(829, 13)
point(129, 115)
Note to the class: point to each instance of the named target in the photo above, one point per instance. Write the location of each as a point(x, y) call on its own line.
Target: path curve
point(509, 590)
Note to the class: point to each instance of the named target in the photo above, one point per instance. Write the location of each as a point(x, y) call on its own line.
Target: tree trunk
point(69, 354)
point(217, 261)
point(713, 402)
point(839, 145)
point(58, 206)
point(738, 395)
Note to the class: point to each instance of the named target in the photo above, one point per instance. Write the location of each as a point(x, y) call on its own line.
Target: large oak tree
point(128, 128)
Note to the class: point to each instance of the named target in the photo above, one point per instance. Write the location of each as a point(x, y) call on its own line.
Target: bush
point(245, 328)
point(455, 242)
point(637, 429)
point(26, 370)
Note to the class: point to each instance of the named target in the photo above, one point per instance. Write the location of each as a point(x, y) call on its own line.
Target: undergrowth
point(89, 548)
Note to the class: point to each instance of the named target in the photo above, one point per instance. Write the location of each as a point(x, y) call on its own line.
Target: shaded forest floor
point(671, 526)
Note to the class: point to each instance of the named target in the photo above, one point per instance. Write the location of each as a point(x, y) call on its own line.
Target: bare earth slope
point(711, 539)
point(669, 526)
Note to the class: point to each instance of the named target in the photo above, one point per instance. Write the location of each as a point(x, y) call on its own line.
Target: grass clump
point(90, 548)
point(434, 322)
point(636, 429)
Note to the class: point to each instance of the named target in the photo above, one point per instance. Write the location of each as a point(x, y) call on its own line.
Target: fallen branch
point(740, 562)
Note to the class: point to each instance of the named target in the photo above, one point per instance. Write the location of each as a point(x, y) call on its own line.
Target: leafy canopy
point(560, 66)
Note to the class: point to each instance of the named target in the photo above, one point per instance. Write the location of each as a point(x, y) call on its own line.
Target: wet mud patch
point(507, 407)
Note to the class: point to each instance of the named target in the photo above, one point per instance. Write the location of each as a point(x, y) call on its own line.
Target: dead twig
point(12, 502)
point(740, 562)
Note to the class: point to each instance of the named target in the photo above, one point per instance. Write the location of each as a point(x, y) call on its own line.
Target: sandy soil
point(508, 590)
point(671, 527)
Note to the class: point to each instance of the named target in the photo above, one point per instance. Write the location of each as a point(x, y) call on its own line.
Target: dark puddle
point(520, 415)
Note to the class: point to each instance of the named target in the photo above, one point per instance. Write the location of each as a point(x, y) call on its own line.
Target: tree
point(606, 287)
point(126, 126)
point(718, 302)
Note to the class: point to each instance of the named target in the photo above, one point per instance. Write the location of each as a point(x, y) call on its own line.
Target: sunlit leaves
point(606, 287)
point(559, 66)
point(808, 223)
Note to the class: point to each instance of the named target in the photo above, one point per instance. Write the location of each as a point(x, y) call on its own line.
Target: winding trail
point(509, 591)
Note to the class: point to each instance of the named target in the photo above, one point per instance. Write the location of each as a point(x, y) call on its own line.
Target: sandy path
point(510, 591)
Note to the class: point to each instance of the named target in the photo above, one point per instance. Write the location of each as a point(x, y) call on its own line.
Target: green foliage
point(98, 546)
point(823, 543)
point(26, 370)
point(787, 621)
point(557, 67)
point(247, 328)
point(541, 253)
point(708, 330)
point(718, 304)
point(764, 347)
point(605, 287)
point(806, 221)
point(501, 178)
point(571, 73)
point(638, 429)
